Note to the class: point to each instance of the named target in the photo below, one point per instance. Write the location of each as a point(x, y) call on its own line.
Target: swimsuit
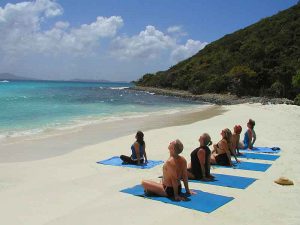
point(133, 158)
point(246, 140)
point(141, 150)
point(222, 160)
point(170, 191)
point(195, 163)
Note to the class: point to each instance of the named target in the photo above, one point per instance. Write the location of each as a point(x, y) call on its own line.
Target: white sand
point(73, 189)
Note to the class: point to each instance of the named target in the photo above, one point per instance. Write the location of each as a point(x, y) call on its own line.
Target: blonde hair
point(227, 135)
point(207, 139)
point(178, 146)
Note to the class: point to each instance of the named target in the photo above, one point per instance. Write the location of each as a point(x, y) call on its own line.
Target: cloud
point(20, 30)
point(176, 30)
point(184, 51)
point(151, 44)
point(148, 44)
point(82, 40)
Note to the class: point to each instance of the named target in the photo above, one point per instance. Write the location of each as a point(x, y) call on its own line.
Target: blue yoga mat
point(262, 167)
point(262, 150)
point(269, 157)
point(228, 181)
point(202, 201)
point(116, 161)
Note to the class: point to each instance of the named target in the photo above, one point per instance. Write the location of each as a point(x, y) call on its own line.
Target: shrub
point(297, 100)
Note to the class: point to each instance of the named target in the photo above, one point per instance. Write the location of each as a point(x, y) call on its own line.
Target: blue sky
point(116, 39)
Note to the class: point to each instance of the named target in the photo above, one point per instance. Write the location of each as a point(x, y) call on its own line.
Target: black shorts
point(170, 191)
point(222, 160)
point(129, 160)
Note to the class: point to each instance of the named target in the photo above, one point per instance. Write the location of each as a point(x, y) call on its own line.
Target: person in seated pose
point(221, 153)
point(235, 141)
point(250, 136)
point(138, 149)
point(174, 169)
point(199, 168)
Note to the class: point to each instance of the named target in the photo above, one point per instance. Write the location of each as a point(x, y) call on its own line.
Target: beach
point(69, 187)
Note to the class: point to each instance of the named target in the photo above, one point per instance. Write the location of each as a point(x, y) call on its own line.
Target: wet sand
point(58, 142)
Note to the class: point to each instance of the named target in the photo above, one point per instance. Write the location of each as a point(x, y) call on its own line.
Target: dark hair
point(140, 137)
point(252, 123)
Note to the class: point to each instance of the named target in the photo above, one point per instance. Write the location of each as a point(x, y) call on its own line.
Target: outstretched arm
point(254, 137)
point(233, 151)
point(250, 139)
point(185, 179)
point(145, 155)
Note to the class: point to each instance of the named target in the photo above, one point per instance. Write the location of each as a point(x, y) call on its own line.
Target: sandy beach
point(69, 187)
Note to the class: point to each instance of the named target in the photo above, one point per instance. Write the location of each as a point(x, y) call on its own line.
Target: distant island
point(96, 81)
point(9, 77)
point(12, 77)
point(259, 60)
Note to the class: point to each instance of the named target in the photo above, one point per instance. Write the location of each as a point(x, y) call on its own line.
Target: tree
point(296, 80)
point(241, 80)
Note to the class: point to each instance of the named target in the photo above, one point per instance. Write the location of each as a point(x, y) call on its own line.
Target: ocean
point(30, 107)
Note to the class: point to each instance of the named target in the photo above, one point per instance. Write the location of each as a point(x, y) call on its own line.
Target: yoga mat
point(269, 157)
point(116, 161)
point(228, 181)
point(202, 201)
point(271, 150)
point(262, 167)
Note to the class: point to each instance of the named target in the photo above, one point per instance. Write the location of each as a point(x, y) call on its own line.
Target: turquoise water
point(33, 106)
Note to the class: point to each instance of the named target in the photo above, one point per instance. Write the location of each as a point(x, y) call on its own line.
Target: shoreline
point(59, 142)
point(219, 99)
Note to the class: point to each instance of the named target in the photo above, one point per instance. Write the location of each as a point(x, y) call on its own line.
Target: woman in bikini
point(221, 153)
point(199, 168)
point(174, 169)
point(138, 151)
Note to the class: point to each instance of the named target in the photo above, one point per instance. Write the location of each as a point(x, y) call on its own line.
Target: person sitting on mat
point(199, 168)
point(138, 149)
point(221, 153)
point(250, 136)
point(174, 169)
point(235, 141)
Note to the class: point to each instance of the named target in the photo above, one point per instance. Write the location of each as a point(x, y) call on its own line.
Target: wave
point(4, 81)
point(118, 88)
point(78, 123)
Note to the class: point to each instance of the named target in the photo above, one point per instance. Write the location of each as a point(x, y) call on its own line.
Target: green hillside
point(260, 60)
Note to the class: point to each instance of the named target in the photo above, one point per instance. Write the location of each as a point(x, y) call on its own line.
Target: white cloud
point(148, 44)
point(174, 29)
point(184, 51)
point(20, 30)
point(151, 44)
